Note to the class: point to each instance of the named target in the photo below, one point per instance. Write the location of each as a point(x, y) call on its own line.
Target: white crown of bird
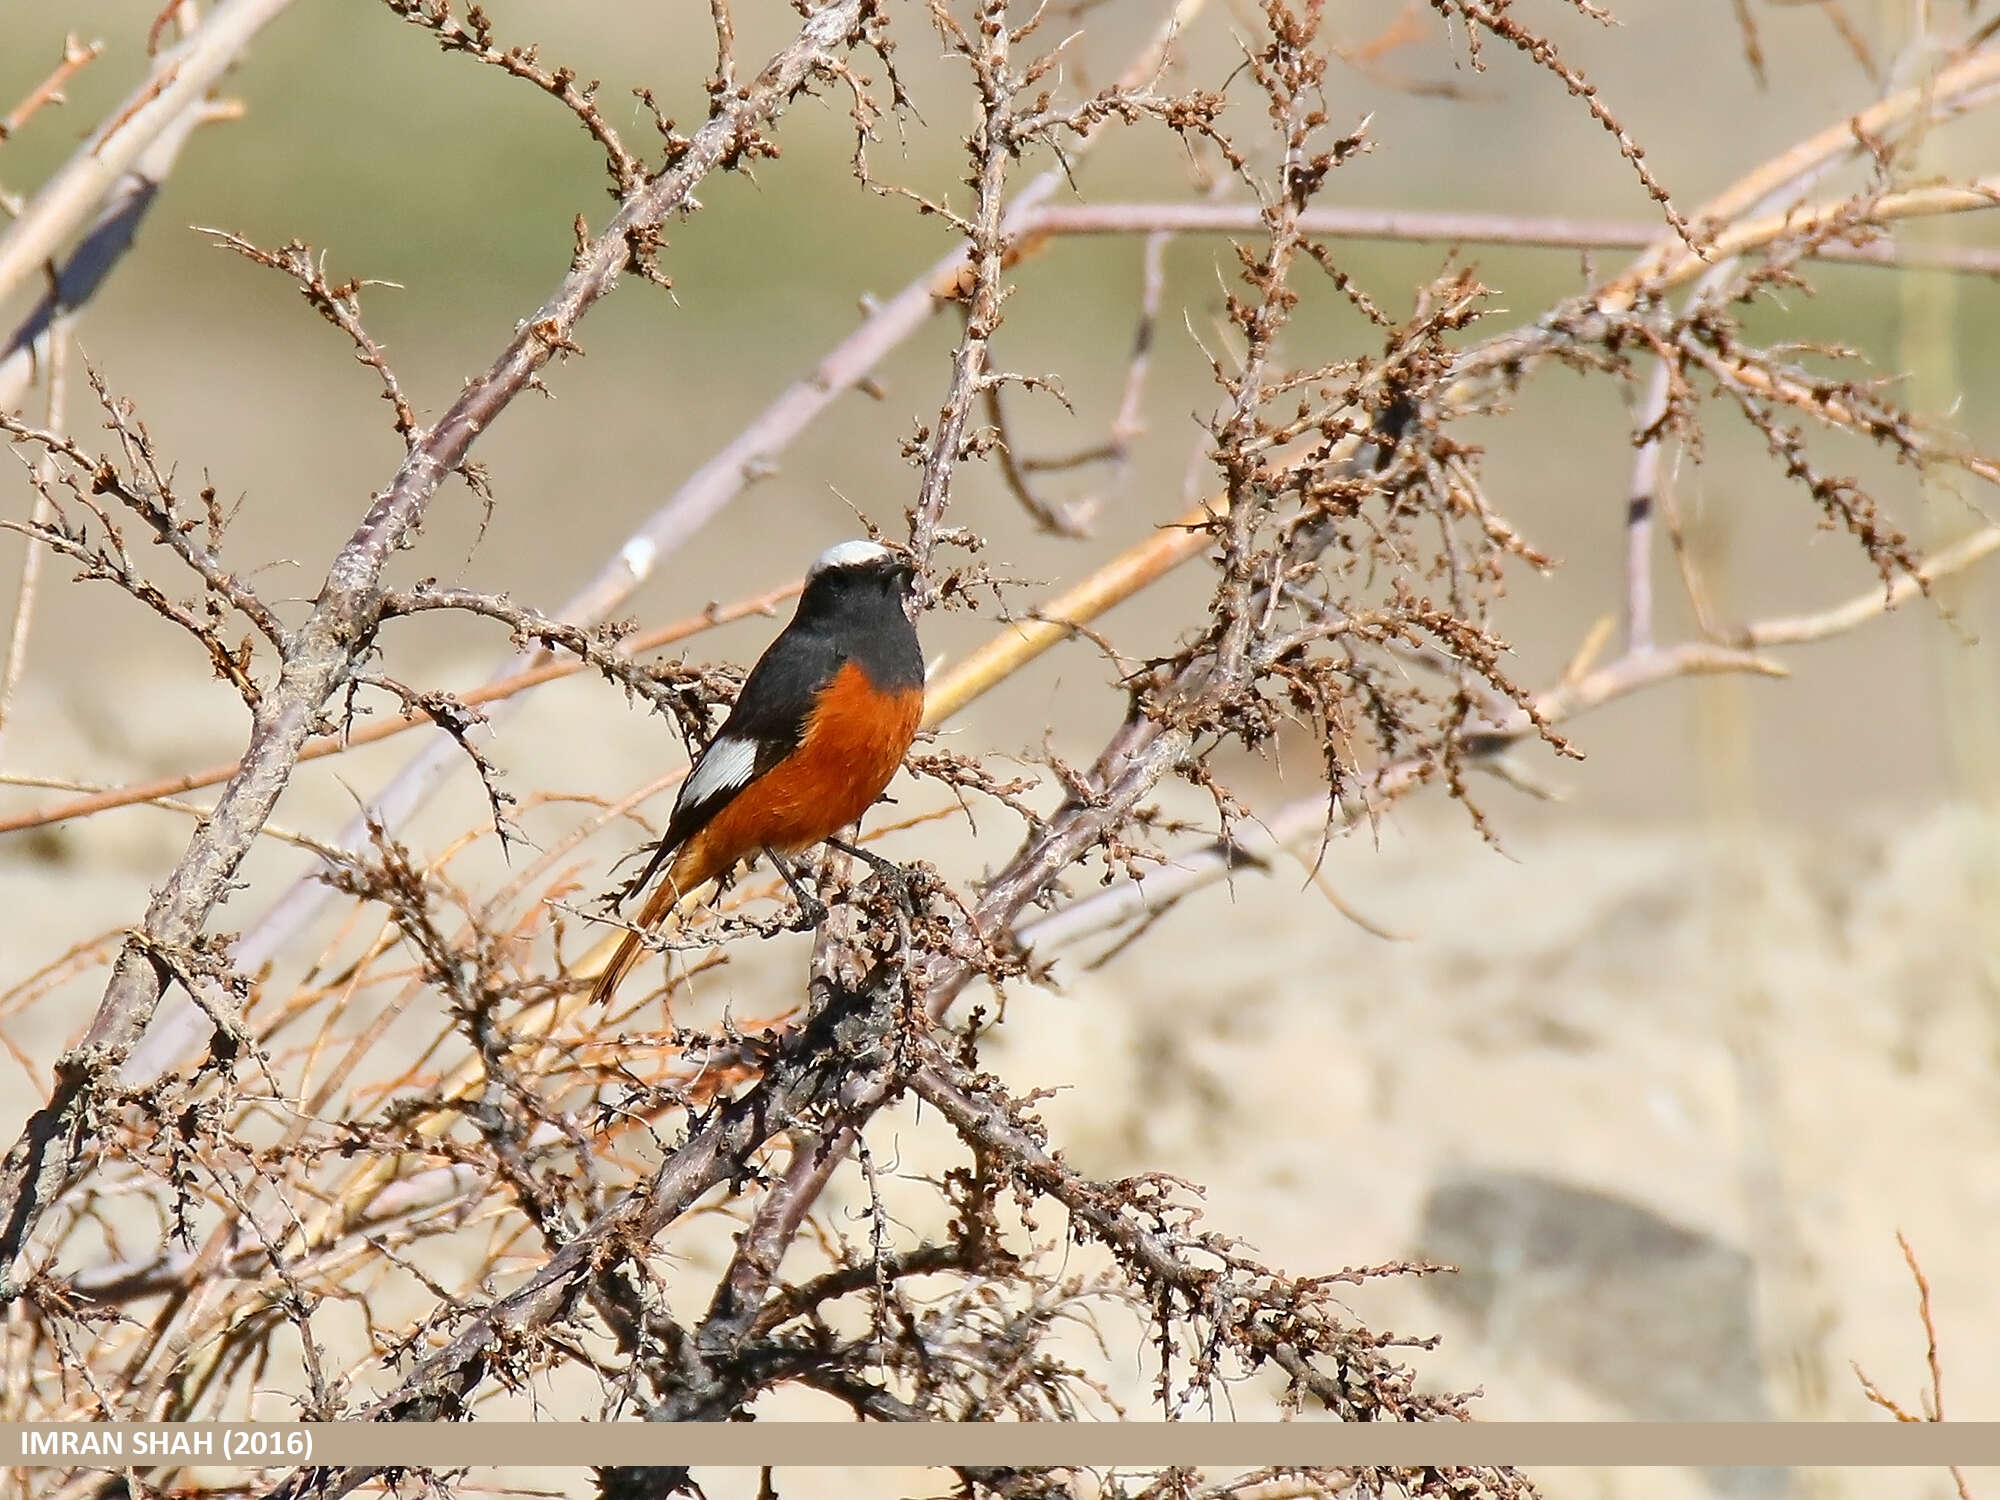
point(855, 554)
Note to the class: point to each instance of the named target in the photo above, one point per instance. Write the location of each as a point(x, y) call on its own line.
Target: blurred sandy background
point(1667, 1073)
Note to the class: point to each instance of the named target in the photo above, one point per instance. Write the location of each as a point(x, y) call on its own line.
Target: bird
point(821, 725)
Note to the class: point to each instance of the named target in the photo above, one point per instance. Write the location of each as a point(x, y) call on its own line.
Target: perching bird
point(821, 725)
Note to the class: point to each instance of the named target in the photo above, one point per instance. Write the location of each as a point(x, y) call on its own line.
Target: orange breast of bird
point(853, 742)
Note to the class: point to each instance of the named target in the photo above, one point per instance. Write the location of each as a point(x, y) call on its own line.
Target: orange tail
point(659, 906)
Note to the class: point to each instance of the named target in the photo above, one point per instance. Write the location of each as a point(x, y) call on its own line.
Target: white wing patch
point(724, 768)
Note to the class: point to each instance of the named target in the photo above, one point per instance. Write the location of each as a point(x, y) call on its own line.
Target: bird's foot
point(812, 910)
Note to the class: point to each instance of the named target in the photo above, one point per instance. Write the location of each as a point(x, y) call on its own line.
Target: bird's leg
point(881, 866)
point(812, 910)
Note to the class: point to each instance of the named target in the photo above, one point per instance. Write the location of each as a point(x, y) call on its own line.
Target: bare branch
point(39, 519)
point(321, 654)
point(76, 56)
point(1419, 226)
point(474, 37)
point(698, 500)
point(354, 736)
point(507, 1187)
point(340, 305)
point(992, 146)
point(179, 83)
point(1933, 1398)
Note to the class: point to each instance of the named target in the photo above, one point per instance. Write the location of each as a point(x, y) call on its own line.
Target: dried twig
point(175, 90)
point(103, 245)
point(76, 56)
point(354, 736)
point(1934, 1397)
point(1421, 226)
point(698, 500)
point(32, 558)
point(474, 37)
point(322, 652)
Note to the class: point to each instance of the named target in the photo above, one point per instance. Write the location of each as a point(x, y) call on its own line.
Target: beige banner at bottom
point(1528, 1445)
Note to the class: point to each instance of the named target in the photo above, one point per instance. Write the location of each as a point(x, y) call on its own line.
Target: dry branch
point(103, 245)
point(698, 500)
point(76, 56)
point(1963, 86)
point(764, 602)
point(839, 1061)
point(25, 595)
point(320, 655)
point(1551, 232)
point(175, 91)
point(1933, 1404)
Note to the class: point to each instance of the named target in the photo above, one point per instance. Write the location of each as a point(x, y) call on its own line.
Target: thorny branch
point(143, 489)
point(340, 304)
point(351, 736)
point(474, 36)
point(320, 655)
point(703, 495)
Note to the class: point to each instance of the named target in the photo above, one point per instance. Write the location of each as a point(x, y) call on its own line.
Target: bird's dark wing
point(765, 726)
